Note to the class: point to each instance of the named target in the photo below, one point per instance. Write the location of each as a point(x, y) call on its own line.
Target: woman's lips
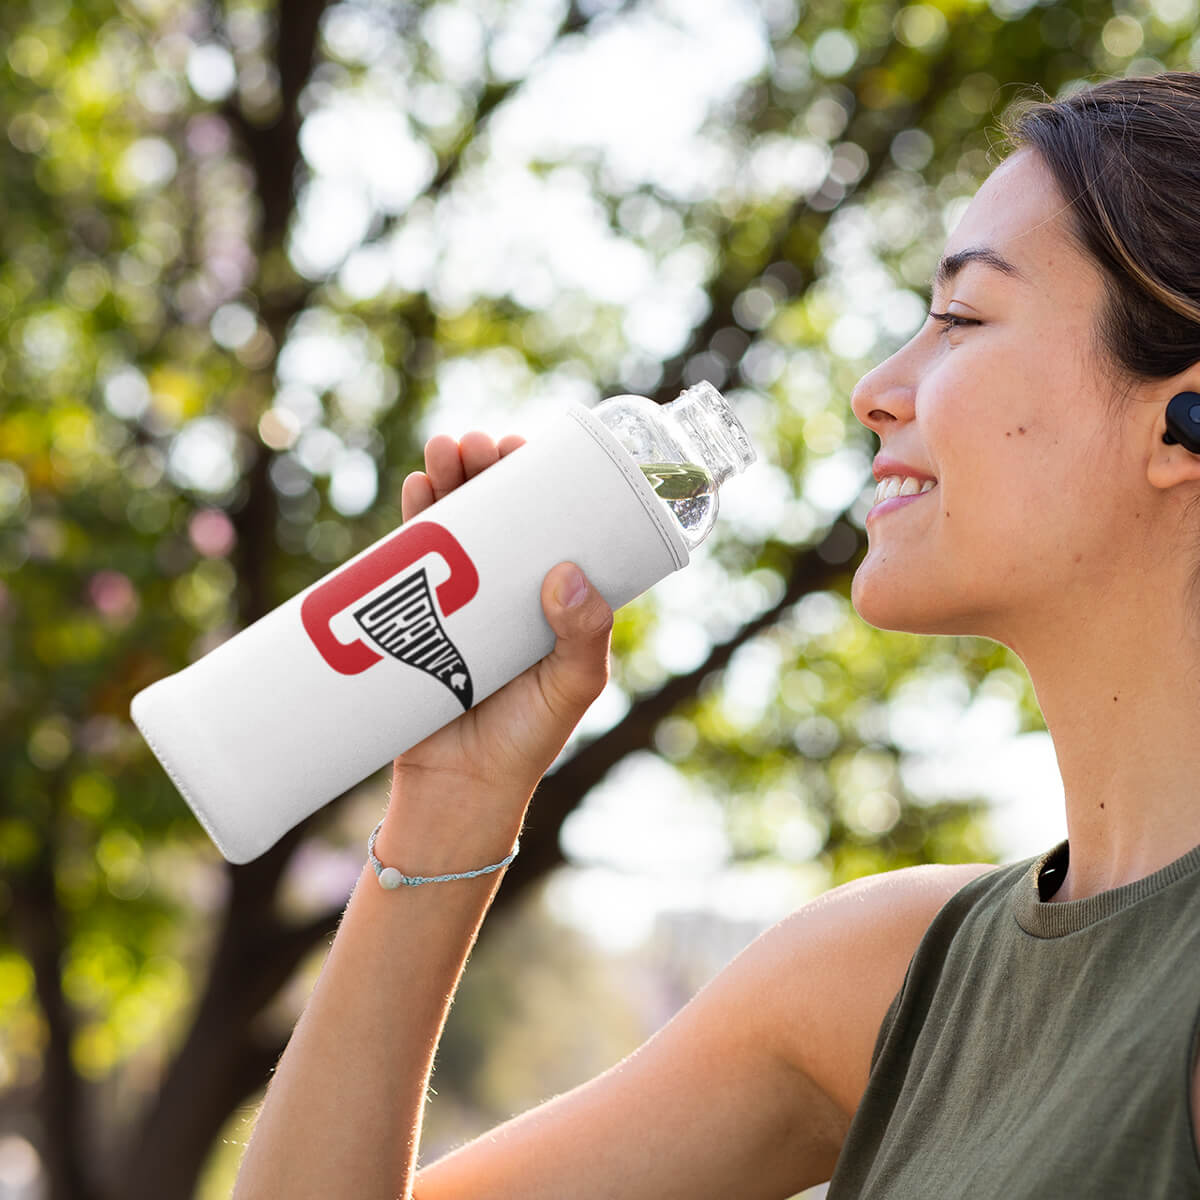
point(896, 502)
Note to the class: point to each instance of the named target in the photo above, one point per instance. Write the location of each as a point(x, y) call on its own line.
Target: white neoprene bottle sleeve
point(398, 641)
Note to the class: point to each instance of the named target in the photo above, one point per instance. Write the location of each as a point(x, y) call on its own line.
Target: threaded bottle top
point(686, 448)
point(705, 416)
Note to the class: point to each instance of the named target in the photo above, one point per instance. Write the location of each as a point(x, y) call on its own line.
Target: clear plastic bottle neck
point(686, 448)
point(714, 429)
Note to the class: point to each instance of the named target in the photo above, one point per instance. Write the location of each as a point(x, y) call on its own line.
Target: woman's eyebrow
point(951, 264)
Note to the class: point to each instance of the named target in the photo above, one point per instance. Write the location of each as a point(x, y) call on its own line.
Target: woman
point(1043, 1040)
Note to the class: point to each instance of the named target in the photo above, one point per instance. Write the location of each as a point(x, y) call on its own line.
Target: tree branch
point(814, 569)
point(868, 129)
point(37, 923)
point(493, 96)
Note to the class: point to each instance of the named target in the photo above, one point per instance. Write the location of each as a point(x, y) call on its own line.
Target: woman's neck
point(1123, 708)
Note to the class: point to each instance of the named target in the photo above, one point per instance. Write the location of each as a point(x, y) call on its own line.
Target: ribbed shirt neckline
point(1048, 919)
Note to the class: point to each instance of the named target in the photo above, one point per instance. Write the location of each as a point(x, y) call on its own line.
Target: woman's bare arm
point(748, 1091)
point(342, 1115)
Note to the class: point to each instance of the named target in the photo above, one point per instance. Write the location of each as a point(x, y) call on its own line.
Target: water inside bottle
point(686, 488)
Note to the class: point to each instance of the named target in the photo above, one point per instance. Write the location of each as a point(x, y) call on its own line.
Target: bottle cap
point(706, 416)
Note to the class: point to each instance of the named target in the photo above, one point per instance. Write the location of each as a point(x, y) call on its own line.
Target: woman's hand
point(511, 738)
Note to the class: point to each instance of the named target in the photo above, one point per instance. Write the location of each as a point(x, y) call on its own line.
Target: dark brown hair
point(1126, 157)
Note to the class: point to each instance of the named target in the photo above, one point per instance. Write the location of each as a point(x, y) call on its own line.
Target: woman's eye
point(949, 321)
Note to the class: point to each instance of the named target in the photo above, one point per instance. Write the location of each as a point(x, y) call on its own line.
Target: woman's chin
point(882, 616)
point(904, 607)
point(875, 600)
point(893, 605)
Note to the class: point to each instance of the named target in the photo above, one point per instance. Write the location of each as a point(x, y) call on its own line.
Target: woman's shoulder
point(827, 973)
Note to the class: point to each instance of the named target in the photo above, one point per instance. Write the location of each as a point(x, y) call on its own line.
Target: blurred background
point(253, 255)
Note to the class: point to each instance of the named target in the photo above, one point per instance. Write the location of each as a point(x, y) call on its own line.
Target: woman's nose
point(883, 397)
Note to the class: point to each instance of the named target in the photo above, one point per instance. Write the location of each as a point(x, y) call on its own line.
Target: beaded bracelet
point(391, 878)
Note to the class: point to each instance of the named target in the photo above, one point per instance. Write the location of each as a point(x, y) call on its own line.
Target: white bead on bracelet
point(390, 878)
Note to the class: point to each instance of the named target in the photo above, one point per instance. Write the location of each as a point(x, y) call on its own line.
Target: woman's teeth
point(896, 485)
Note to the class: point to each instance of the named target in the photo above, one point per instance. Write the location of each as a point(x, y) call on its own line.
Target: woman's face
point(1002, 402)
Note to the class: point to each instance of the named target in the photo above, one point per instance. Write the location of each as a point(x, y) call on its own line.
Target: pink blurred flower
point(114, 596)
point(212, 533)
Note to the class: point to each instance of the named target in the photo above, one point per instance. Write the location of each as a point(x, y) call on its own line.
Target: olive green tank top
point(1039, 1049)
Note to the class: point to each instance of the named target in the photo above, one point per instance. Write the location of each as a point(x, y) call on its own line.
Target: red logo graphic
point(402, 621)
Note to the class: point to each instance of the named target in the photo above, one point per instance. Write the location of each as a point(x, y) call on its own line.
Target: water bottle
point(402, 638)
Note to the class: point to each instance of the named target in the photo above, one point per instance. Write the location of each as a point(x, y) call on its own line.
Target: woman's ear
point(1175, 454)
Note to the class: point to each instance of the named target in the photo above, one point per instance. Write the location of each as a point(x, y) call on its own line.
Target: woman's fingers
point(416, 494)
point(449, 464)
point(478, 452)
point(443, 465)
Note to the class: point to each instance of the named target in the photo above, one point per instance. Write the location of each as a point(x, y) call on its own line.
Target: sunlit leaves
point(221, 351)
point(127, 1002)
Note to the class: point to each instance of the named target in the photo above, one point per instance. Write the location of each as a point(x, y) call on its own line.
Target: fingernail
point(573, 589)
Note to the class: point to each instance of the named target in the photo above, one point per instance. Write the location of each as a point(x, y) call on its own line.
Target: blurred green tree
point(247, 249)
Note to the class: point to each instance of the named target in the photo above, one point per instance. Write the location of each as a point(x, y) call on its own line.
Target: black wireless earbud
point(1183, 421)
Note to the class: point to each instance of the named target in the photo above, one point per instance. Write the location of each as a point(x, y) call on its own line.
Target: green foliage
point(192, 403)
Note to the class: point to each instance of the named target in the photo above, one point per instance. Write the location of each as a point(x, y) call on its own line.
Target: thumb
point(577, 670)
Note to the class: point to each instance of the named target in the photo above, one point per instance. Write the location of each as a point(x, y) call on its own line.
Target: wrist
point(452, 827)
point(391, 877)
